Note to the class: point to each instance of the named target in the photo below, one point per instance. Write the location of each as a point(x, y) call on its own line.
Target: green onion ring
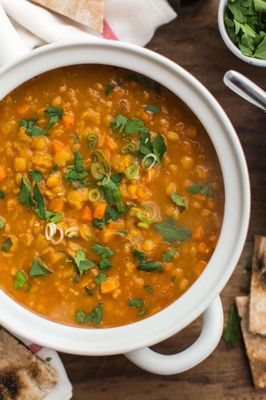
point(94, 195)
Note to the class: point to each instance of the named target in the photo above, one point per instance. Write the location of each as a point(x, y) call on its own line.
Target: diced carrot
point(57, 146)
point(167, 266)
point(57, 204)
point(99, 211)
point(199, 266)
point(200, 197)
point(198, 233)
point(117, 225)
point(109, 285)
point(22, 109)
point(86, 214)
point(68, 120)
point(2, 174)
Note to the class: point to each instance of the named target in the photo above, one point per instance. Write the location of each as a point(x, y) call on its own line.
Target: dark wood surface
point(194, 42)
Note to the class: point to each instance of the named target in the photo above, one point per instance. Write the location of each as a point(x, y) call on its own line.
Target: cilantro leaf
point(119, 123)
point(134, 126)
point(38, 269)
point(178, 200)
point(149, 289)
point(150, 266)
point(152, 109)
point(81, 262)
point(100, 278)
point(136, 303)
point(169, 255)
point(139, 255)
point(196, 188)
point(54, 114)
point(31, 128)
point(170, 232)
point(36, 176)
point(2, 195)
point(20, 280)
point(2, 224)
point(39, 200)
point(104, 251)
point(7, 245)
point(232, 330)
point(25, 194)
point(95, 316)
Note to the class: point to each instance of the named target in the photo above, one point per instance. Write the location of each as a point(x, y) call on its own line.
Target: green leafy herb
point(148, 146)
point(232, 330)
point(20, 280)
point(169, 255)
point(75, 176)
point(179, 201)
point(112, 194)
point(149, 289)
point(36, 176)
point(196, 188)
point(7, 245)
point(139, 255)
point(95, 316)
point(50, 216)
point(31, 128)
point(119, 123)
point(25, 194)
point(105, 264)
point(136, 303)
point(152, 109)
point(132, 172)
point(245, 21)
point(150, 266)
point(109, 88)
point(37, 269)
point(142, 312)
point(100, 278)
point(88, 291)
point(75, 138)
point(134, 126)
point(78, 162)
point(2, 224)
point(39, 200)
point(81, 262)
point(76, 278)
point(172, 233)
point(144, 81)
point(2, 195)
point(54, 114)
point(104, 251)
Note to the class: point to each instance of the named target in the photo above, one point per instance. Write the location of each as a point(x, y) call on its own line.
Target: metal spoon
point(245, 88)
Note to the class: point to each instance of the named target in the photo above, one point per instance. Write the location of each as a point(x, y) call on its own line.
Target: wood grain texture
point(194, 42)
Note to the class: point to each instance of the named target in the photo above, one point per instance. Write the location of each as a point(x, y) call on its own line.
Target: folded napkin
point(133, 21)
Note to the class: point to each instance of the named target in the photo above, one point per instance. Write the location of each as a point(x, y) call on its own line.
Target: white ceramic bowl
point(203, 296)
point(231, 46)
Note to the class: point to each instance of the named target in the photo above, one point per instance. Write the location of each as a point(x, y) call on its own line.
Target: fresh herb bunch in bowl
point(242, 25)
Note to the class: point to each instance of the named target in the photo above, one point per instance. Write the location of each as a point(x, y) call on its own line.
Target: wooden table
point(194, 42)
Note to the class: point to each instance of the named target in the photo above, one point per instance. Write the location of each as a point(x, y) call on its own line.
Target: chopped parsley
point(39, 201)
point(36, 176)
point(139, 255)
point(31, 128)
point(148, 146)
point(122, 124)
point(150, 266)
point(104, 251)
point(149, 289)
point(179, 201)
point(20, 280)
point(75, 138)
point(37, 269)
point(136, 303)
point(53, 113)
point(25, 193)
point(7, 245)
point(2, 224)
point(172, 233)
point(232, 330)
point(152, 109)
point(169, 255)
point(81, 262)
point(196, 188)
point(100, 278)
point(2, 195)
point(95, 316)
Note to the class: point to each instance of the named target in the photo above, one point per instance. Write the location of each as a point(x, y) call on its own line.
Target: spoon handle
point(245, 88)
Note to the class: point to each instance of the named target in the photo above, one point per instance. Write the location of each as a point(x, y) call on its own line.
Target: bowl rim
point(198, 297)
point(228, 42)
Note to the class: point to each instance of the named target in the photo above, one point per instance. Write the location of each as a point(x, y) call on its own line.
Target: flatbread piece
point(23, 376)
point(257, 309)
point(86, 12)
point(255, 345)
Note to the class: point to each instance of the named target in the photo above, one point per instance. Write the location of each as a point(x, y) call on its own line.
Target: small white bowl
point(231, 46)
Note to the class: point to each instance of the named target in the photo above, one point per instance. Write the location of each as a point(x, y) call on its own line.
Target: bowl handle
point(156, 363)
point(11, 46)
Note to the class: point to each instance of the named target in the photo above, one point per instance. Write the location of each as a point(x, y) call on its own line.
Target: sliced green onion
point(105, 180)
point(129, 148)
point(94, 195)
point(148, 161)
point(97, 170)
point(98, 156)
point(132, 172)
point(92, 140)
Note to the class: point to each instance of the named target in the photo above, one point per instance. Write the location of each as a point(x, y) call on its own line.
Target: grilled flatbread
point(255, 345)
point(23, 376)
point(257, 309)
point(86, 12)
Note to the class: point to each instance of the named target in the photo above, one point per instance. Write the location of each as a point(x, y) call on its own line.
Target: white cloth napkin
point(133, 21)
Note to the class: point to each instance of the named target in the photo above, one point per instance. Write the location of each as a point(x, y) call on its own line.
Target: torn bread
point(86, 12)
point(255, 345)
point(257, 309)
point(23, 376)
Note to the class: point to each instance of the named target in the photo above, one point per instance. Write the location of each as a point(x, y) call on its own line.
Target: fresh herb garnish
point(31, 128)
point(75, 138)
point(112, 194)
point(150, 266)
point(232, 330)
point(78, 162)
point(100, 278)
point(172, 233)
point(128, 126)
point(139, 255)
point(144, 81)
point(245, 21)
point(132, 172)
point(2, 194)
point(142, 312)
point(54, 114)
point(20, 280)
point(149, 289)
point(169, 255)
point(38, 269)
point(81, 262)
point(196, 188)
point(25, 194)
point(36, 176)
point(2, 224)
point(148, 146)
point(7, 245)
point(104, 251)
point(40, 201)
point(105, 264)
point(95, 316)
point(152, 109)
point(179, 201)
point(136, 303)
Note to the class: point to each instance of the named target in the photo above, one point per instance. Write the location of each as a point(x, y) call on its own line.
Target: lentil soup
point(111, 196)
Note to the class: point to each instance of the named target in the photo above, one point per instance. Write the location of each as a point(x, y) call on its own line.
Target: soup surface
point(111, 196)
